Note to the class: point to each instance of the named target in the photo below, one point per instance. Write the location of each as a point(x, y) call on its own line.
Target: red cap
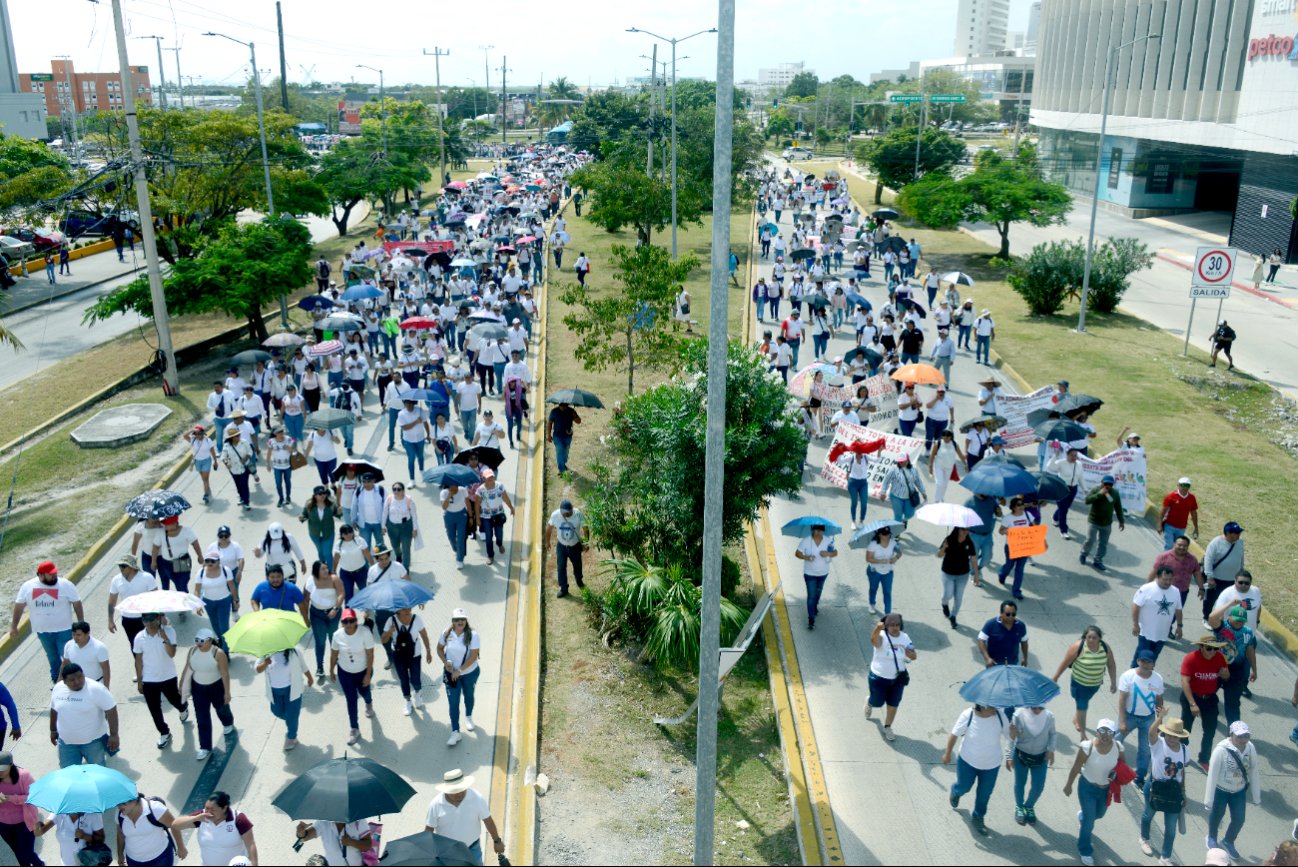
point(171, 519)
point(348, 614)
point(47, 567)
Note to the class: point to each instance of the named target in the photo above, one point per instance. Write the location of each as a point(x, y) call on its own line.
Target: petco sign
point(1271, 46)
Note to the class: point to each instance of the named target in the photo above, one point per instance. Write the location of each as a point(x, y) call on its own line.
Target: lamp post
point(438, 54)
point(1109, 63)
point(674, 43)
point(383, 106)
point(162, 76)
point(265, 160)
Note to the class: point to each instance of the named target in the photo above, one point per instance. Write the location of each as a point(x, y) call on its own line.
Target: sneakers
point(1080, 816)
point(981, 827)
point(184, 715)
point(869, 710)
point(227, 731)
point(888, 735)
point(1031, 815)
point(202, 755)
point(1166, 862)
point(873, 610)
point(1099, 566)
point(166, 739)
point(406, 710)
point(1081, 558)
point(1088, 860)
point(1146, 848)
point(561, 594)
point(1230, 850)
point(954, 625)
point(290, 744)
point(454, 739)
point(1293, 735)
point(468, 724)
point(1211, 843)
point(811, 623)
point(1203, 766)
point(416, 701)
point(354, 738)
point(954, 800)
point(319, 675)
point(580, 583)
point(369, 711)
point(1020, 815)
point(946, 610)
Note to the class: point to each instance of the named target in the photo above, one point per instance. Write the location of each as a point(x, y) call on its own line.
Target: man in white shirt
point(367, 511)
point(221, 404)
point(1243, 593)
point(129, 581)
point(845, 414)
point(468, 394)
point(83, 719)
point(356, 367)
point(984, 334)
point(414, 434)
point(517, 368)
point(88, 652)
point(943, 354)
point(53, 602)
point(1155, 609)
point(1066, 467)
point(517, 338)
point(1140, 695)
point(460, 813)
point(155, 672)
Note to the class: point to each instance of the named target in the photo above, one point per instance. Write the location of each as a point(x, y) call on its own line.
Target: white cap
point(459, 613)
point(1184, 480)
point(276, 530)
point(1107, 724)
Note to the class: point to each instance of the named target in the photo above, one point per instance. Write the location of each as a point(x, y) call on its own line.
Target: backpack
point(148, 814)
point(403, 644)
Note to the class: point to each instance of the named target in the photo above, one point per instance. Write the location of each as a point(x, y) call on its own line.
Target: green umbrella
point(264, 632)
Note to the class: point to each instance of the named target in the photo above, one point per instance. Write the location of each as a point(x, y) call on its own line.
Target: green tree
point(647, 501)
point(630, 325)
point(608, 116)
point(1111, 268)
point(350, 172)
point(779, 124)
point(622, 194)
point(238, 273)
point(1046, 277)
point(562, 88)
point(30, 171)
point(892, 157)
point(803, 84)
point(998, 191)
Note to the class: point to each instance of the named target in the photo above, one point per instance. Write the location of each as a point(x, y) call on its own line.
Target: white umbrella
point(957, 277)
point(948, 515)
point(160, 602)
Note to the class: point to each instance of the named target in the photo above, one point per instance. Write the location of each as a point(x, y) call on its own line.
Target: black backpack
point(403, 644)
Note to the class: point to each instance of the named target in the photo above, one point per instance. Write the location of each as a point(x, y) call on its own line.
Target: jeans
point(983, 349)
point(1170, 535)
point(469, 421)
point(353, 581)
point(1143, 643)
point(392, 427)
point(1170, 819)
point(408, 674)
point(17, 836)
point(880, 580)
point(514, 427)
point(325, 469)
point(1062, 507)
point(962, 336)
point(983, 542)
point(464, 685)
point(774, 305)
point(400, 537)
point(1208, 711)
point(815, 587)
point(1238, 805)
point(208, 697)
point(284, 483)
point(52, 643)
point(906, 426)
point(795, 345)
point(153, 694)
point(295, 426)
point(1015, 565)
point(910, 358)
point(932, 431)
point(1138, 726)
point(222, 422)
point(967, 776)
point(1233, 689)
point(287, 709)
point(494, 525)
point(820, 344)
point(943, 363)
point(953, 591)
point(567, 554)
point(371, 533)
point(414, 454)
point(902, 509)
point(457, 529)
point(1097, 535)
point(1092, 799)
point(352, 689)
point(322, 626)
point(93, 753)
point(218, 614)
point(858, 491)
point(169, 578)
point(1022, 774)
point(324, 548)
point(561, 447)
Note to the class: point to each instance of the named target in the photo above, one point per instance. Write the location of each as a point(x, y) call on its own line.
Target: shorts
point(1083, 694)
point(885, 691)
point(203, 465)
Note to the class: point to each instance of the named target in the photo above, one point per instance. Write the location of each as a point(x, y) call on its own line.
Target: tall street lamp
point(383, 106)
point(1109, 63)
point(674, 43)
point(265, 160)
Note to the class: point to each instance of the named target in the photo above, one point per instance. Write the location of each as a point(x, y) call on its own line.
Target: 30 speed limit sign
point(1213, 268)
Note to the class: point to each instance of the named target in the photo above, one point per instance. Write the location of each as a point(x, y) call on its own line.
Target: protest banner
point(1128, 469)
point(426, 246)
point(883, 394)
point(881, 462)
point(1014, 408)
point(1026, 541)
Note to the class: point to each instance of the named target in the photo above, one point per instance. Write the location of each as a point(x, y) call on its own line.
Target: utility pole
point(653, 104)
point(180, 81)
point(486, 66)
point(283, 66)
point(438, 54)
point(705, 794)
point(504, 109)
point(161, 321)
point(162, 77)
point(383, 105)
point(923, 119)
point(1018, 110)
point(72, 109)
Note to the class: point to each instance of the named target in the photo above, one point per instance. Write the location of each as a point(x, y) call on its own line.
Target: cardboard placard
point(1027, 541)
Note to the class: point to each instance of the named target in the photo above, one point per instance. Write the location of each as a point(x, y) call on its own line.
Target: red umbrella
point(418, 322)
point(457, 185)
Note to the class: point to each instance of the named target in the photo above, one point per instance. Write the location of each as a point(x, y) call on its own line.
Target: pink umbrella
point(328, 347)
point(527, 239)
point(504, 248)
point(457, 185)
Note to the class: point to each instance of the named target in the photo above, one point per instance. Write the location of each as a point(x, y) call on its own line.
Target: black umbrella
point(1075, 403)
point(328, 418)
point(872, 358)
point(1041, 416)
point(156, 504)
point(893, 243)
point(885, 214)
point(311, 302)
point(576, 397)
point(362, 467)
point(491, 457)
point(804, 253)
point(918, 308)
point(414, 252)
point(489, 331)
point(995, 422)
point(425, 848)
point(441, 257)
point(250, 356)
point(1061, 430)
point(344, 790)
point(1050, 488)
point(838, 218)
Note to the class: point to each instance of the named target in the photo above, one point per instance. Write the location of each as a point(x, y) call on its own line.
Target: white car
point(798, 153)
point(15, 249)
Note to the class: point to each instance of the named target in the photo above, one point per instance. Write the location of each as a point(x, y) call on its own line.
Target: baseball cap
point(47, 567)
point(204, 634)
point(348, 614)
point(459, 614)
point(276, 530)
point(846, 404)
point(1106, 724)
point(1108, 480)
point(1133, 436)
point(213, 552)
point(223, 530)
point(1232, 527)
point(6, 759)
point(1239, 727)
point(1146, 654)
point(565, 506)
point(1063, 382)
point(1218, 858)
point(903, 458)
point(488, 473)
point(998, 441)
point(1184, 480)
point(1237, 612)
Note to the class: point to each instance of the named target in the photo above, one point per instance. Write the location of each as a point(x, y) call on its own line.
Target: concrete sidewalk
point(35, 289)
point(890, 800)
point(257, 767)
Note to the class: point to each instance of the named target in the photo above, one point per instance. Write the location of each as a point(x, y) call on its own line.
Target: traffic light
point(775, 103)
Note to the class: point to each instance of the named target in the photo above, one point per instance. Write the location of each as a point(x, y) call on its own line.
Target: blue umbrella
point(81, 789)
point(865, 534)
point(857, 301)
point(390, 596)
point(311, 302)
point(999, 479)
point(771, 226)
point(361, 292)
point(451, 474)
point(1009, 686)
point(417, 394)
point(801, 527)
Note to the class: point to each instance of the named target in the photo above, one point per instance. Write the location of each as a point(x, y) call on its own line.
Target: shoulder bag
point(903, 676)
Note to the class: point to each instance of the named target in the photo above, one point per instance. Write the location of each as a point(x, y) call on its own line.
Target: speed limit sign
point(1213, 268)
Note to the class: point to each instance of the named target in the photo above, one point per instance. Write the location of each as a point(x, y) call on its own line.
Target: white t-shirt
point(1166, 763)
point(887, 660)
point(416, 434)
point(81, 713)
point(141, 582)
point(1099, 765)
point(457, 652)
point(462, 823)
point(1158, 609)
point(1142, 693)
point(394, 571)
point(91, 657)
point(331, 839)
point(351, 648)
point(982, 747)
point(457, 501)
point(212, 589)
point(567, 528)
point(941, 409)
point(144, 840)
point(819, 564)
point(322, 446)
point(488, 434)
point(157, 665)
point(65, 832)
point(882, 552)
point(49, 606)
point(175, 547)
point(230, 555)
point(468, 393)
point(1250, 602)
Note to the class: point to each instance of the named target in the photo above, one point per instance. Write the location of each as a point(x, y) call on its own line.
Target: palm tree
point(562, 88)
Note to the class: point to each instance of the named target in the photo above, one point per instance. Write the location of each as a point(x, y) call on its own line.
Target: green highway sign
point(905, 97)
point(42, 76)
point(947, 97)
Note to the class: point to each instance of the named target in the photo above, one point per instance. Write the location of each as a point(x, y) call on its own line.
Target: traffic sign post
point(905, 97)
point(1210, 278)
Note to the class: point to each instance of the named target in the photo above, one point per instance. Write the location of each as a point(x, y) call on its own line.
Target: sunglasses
point(198, 640)
point(1243, 583)
point(397, 488)
point(349, 620)
point(211, 560)
point(1010, 614)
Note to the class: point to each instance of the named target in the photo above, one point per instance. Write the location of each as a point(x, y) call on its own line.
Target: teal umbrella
point(81, 789)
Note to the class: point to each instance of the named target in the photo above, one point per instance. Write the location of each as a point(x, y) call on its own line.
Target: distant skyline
point(587, 43)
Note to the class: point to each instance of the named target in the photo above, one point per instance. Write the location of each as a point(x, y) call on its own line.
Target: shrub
point(1111, 269)
point(1046, 276)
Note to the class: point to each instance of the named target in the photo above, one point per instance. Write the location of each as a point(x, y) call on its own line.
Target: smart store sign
point(1273, 45)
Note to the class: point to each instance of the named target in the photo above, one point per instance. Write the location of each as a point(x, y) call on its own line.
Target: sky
point(586, 41)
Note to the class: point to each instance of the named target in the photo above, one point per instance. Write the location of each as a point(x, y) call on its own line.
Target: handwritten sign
point(1027, 541)
point(881, 462)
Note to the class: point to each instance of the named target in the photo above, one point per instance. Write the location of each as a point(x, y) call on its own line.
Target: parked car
point(40, 239)
point(15, 250)
point(78, 223)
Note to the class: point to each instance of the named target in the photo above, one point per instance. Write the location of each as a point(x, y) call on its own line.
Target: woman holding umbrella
point(815, 550)
point(223, 833)
point(285, 670)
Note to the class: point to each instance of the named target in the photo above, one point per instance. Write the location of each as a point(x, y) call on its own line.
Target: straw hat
point(454, 782)
point(1209, 640)
point(1174, 727)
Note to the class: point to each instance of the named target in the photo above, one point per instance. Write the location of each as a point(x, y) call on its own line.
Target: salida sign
point(1273, 46)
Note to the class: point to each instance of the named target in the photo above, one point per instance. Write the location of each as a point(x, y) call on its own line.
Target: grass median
point(1218, 427)
point(637, 787)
